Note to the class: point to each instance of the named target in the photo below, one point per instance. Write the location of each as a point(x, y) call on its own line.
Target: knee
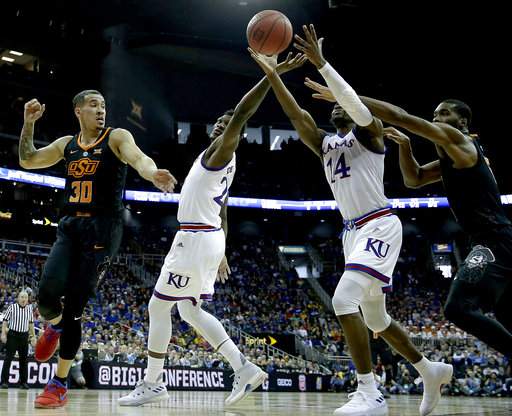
point(375, 315)
point(49, 308)
point(377, 323)
point(454, 310)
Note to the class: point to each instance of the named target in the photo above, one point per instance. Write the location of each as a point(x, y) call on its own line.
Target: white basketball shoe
point(363, 404)
point(145, 392)
point(247, 379)
point(435, 376)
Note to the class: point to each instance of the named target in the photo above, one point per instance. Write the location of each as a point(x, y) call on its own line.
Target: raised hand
point(291, 62)
point(224, 271)
point(33, 111)
point(322, 92)
point(396, 135)
point(163, 180)
point(267, 63)
point(311, 46)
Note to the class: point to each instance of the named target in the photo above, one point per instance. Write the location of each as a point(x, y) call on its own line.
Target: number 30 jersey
point(95, 177)
point(355, 175)
point(204, 192)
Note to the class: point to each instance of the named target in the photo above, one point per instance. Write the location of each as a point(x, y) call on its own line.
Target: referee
point(17, 326)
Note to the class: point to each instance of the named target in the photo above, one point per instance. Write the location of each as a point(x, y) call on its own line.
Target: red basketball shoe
point(47, 344)
point(54, 395)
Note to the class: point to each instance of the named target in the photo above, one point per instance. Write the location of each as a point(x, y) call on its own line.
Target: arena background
point(168, 69)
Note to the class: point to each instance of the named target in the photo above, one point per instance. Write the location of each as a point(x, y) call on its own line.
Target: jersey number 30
point(82, 192)
point(341, 168)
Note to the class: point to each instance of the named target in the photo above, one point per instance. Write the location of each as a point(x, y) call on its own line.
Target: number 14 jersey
point(204, 192)
point(355, 175)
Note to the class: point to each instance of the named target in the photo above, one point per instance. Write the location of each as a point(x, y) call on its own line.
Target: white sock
point(422, 366)
point(155, 367)
point(229, 350)
point(366, 383)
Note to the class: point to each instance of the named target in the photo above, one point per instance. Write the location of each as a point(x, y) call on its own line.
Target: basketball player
point(353, 161)
point(484, 281)
point(89, 233)
point(197, 256)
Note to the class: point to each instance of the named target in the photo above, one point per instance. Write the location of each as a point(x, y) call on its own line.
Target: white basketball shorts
point(190, 268)
point(373, 250)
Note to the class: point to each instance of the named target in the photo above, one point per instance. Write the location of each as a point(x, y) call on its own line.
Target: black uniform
point(18, 320)
point(88, 235)
point(484, 280)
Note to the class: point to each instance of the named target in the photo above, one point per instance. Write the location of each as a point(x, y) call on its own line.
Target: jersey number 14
point(341, 168)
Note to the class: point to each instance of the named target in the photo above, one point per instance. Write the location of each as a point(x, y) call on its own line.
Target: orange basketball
point(269, 32)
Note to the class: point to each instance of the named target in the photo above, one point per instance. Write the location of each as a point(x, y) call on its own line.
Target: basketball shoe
point(247, 379)
point(145, 393)
point(434, 377)
point(54, 395)
point(363, 404)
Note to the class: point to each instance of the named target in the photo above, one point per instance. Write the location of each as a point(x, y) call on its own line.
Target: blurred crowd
point(260, 297)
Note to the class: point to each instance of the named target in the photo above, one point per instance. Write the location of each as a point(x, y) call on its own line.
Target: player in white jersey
point(197, 257)
point(353, 160)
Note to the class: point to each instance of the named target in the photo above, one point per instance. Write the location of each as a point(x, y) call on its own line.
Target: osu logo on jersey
point(81, 167)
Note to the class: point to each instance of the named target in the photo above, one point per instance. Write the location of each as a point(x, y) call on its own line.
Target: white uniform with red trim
point(190, 268)
point(372, 236)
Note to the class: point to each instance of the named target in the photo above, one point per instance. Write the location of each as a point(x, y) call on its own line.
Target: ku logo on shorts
point(378, 247)
point(178, 280)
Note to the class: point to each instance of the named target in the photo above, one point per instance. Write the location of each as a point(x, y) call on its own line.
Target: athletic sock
point(155, 367)
point(422, 366)
point(366, 383)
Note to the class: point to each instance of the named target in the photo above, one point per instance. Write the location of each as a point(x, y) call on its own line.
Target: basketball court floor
point(190, 403)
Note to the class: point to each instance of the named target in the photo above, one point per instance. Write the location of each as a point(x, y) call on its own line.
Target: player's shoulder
point(118, 134)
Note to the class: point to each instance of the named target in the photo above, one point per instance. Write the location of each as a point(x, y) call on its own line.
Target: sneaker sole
point(384, 411)
point(252, 385)
point(50, 406)
point(154, 399)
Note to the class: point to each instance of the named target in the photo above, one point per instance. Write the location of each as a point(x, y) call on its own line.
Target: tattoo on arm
point(26, 148)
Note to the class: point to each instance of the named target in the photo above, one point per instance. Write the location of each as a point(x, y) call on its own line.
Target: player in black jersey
point(89, 233)
point(484, 281)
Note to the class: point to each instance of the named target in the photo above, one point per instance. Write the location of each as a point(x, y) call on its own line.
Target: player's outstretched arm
point(29, 156)
point(439, 133)
point(343, 93)
point(301, 120)
point(243, 112)
point(123, 141)
point(415, 176)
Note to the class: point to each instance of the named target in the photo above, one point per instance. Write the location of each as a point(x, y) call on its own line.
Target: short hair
point(461, 108)
point(23, 292)
point(79, 99)
point(229, 112)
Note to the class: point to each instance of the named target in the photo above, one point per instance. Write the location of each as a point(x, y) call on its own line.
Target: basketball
point(269, 32)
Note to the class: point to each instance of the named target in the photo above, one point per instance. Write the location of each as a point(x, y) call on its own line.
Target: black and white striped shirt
point(18, 318)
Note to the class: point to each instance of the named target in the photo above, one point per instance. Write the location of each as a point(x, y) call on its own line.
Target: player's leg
point(476, 288)
point(52, 287)
point(10, 351)
point(434, 374)
point(248, 376)
point(152, 388)
point(352, 289)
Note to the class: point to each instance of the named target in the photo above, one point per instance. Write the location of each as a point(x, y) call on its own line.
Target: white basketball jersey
point(355, 174)
point(204, 192)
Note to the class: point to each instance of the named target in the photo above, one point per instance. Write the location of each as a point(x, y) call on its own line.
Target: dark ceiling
point(414, 53)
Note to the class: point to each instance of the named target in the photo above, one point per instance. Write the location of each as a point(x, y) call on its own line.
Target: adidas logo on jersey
point(180, 245)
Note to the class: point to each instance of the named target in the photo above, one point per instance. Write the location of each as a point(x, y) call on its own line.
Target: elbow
point(412, 183)
point(25, 164)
